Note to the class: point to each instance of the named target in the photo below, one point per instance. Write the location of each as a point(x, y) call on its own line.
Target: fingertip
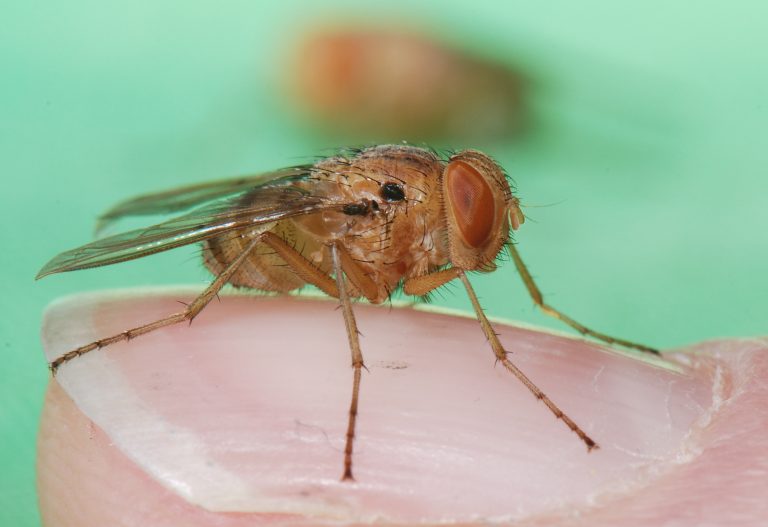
point(245, 413)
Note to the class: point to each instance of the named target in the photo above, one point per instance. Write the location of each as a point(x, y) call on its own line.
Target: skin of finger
point(85, 479)
point(726, 480)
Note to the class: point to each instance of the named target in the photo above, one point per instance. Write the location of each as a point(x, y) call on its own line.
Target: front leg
point(422, 285)
point(501, 356)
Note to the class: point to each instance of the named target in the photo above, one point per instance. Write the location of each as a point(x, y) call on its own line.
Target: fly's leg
point(307, 271)
point(303, 268)
point(501, 356)
point(422, 285)
point(356, 275)
point(357, 359)
point(191, 311)
point(538, 298)
point(343, 266)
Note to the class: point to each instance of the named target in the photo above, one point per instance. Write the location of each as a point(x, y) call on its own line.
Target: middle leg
point(424, 284)
point(357, 360)
point(344, 268)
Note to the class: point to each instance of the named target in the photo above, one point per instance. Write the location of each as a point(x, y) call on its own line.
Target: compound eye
point(470, 201)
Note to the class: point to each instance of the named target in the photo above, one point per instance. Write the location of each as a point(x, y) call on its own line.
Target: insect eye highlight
point(392, 192)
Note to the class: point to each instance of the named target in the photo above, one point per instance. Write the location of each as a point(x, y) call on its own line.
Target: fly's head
point(479, 209)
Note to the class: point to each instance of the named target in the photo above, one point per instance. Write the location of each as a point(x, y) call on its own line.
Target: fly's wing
point(183, 198)
point(258, 206)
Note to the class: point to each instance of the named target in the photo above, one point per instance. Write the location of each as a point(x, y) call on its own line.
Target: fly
point(357, 225)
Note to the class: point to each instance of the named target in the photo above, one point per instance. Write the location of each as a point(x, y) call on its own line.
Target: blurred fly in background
point(389, 84)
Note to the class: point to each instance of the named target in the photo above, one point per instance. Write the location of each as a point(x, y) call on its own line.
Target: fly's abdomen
point(263, 269)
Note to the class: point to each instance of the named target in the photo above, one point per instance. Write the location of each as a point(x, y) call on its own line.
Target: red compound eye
point(471, 202)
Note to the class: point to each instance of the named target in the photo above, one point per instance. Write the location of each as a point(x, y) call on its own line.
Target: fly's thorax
point(390, 220)
point(379, 186)
point(478, 207)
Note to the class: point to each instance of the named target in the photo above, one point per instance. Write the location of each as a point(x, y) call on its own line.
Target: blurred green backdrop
point(649, 148)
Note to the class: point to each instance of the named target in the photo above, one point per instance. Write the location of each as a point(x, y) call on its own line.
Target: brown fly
point(359, 224)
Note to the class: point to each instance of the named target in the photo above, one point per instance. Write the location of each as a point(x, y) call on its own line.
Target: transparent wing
point(258, 206)
point(183, 198)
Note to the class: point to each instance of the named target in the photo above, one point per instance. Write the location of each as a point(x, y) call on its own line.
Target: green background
point(649, 149)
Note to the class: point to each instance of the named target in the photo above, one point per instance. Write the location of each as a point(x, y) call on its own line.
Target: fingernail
point(245, 411)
